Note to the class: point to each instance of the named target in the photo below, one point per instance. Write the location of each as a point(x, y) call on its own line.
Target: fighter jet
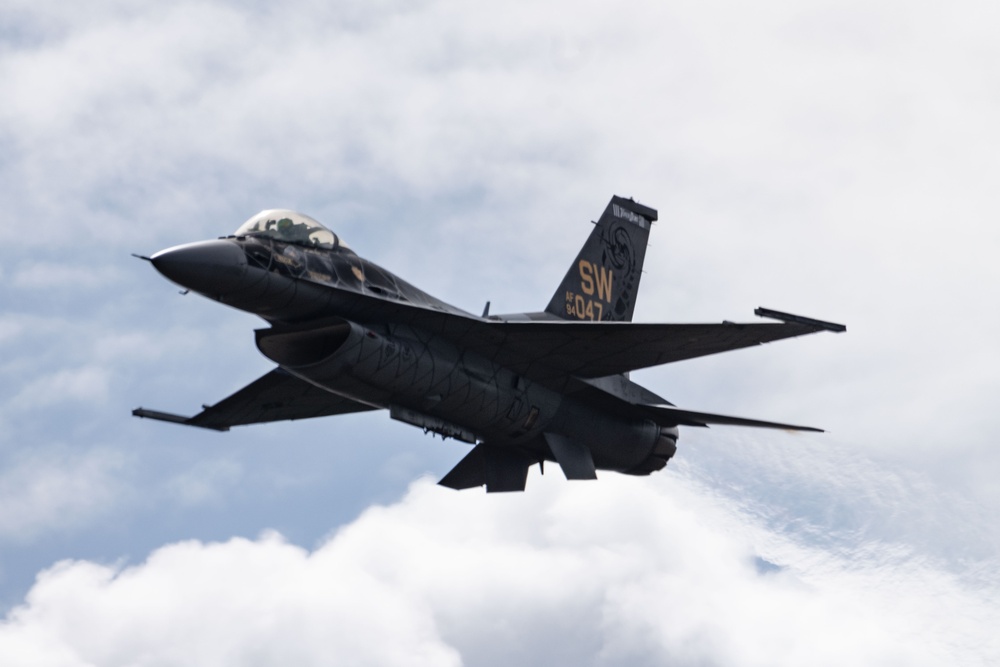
point(349, 336)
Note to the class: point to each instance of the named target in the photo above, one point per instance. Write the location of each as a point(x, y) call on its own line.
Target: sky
point(832, 159)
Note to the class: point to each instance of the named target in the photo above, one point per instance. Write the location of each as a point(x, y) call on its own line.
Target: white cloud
point(614, 572)
point(207, 482)
point(86, 384)
point(240, 602)
point(831, 159)
point(56, 489)
point(14, 327)
point(10, 329)
point(825, 494)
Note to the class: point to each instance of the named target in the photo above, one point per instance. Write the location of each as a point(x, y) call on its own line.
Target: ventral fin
point(575, 459)
point(499, 468)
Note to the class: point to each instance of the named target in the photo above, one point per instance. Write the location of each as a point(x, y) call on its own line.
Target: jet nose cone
point(208, 267)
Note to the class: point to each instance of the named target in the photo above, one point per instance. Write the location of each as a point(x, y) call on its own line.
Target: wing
point(547, 350)
point(550, 350)
point(276, 396)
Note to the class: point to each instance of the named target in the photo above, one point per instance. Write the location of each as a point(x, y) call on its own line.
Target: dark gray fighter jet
point(348, 336)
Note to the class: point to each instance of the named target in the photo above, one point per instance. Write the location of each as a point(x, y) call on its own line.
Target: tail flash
point(603, 281)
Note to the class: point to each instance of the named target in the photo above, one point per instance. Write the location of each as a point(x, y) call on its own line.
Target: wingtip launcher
point(798, 319)
point(143, 413)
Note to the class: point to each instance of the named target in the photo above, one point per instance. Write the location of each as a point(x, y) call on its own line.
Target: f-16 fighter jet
point(349, 336)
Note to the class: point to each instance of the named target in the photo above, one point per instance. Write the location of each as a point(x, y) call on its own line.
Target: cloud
point(206, 482)
point(185, 603)
point(621, 571)
point(826, 160)
point(823, 494)
point(36, 276)
point(57, 489)
point(89, 362)
point(88, 384)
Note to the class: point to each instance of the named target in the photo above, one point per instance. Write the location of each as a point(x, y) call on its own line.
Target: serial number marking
point(582, 308)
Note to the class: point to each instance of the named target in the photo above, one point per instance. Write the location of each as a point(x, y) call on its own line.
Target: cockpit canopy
point(291, 227)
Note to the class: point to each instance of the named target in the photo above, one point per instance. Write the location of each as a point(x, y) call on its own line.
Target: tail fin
point(603, 281)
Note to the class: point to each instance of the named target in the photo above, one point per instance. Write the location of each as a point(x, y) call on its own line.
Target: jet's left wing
point(276, 396)
point(547, 350)
point(550, 350)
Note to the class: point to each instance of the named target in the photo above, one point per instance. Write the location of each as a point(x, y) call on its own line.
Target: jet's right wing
point(276, 396)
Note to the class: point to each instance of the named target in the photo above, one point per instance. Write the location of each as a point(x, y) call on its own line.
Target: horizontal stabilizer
point(575, 459)
point(671, 416)
point(499, 468)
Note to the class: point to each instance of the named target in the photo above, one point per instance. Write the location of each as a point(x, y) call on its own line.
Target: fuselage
point(333, 325)
point(349, 336)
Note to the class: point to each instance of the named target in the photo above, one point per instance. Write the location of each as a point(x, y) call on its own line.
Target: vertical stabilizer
point(603, 281)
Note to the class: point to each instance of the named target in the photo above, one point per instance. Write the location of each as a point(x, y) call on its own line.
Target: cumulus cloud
point(621, 571)
point(234, 603)
point(824, 159)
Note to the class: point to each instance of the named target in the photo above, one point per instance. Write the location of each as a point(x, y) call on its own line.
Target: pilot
point(296, 232)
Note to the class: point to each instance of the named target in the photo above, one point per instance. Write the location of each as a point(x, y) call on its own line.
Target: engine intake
point(304, 348)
